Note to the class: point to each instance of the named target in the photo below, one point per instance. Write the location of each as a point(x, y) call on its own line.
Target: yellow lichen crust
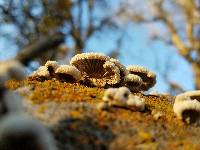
point(68, 73)
point(133, 82)
point(148, 77)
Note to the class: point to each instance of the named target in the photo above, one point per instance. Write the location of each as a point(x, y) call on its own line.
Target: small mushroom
point(109, 94)
point(41, 74)
point(122, 69)
point(22, 133)
point(133, 82)
point(148, 77)
point(68, 73)
point(187, 106)
point(51, 67)
point(135, 103)
point(96, 69)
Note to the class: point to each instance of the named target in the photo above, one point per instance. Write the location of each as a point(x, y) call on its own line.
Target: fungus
point(109, 94)
point(187, 106)
point(122, 69)
point(187, 110)
point(21, 132)
point(96, 69)
point(148, 77)
point(133, 82)
point(41, 74)
point(51, 67)
point(67, 73)
point(135, 103)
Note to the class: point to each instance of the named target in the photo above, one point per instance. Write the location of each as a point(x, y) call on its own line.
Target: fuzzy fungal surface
point(70, 112)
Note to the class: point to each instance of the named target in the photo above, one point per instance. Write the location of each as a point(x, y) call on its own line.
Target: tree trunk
point(196, 72)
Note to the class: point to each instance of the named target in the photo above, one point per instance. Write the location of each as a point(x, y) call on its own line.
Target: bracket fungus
point(51, 67)
point(68, 73)
point(135, 103)
point(40, 74)
point(148, 77)
point(95, 69)
point(23, 133)
point(187, 106)
point(133, 82)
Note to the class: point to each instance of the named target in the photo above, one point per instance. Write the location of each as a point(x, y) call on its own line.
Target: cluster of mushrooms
point(97, 70)
point(121, 97)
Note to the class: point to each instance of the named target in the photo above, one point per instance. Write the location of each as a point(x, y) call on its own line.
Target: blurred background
point(162, 35)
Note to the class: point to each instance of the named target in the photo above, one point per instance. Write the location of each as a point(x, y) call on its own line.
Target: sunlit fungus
point(148, 77)
point(68, 73)
point(135, 102)
point(133, 82)
point(40, 74)
point(187, 106)
point(94, 70)
point(52, 66)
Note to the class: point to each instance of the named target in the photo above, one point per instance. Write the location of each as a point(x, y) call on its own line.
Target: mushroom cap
point(41, 73)
point(22, 132)
point(186, 106)
point(133, 82)
point(112, 73)
point(136, 101)
point(122, 94)
point(148, 77)
point(122, 68)
point(96, 69)
point(109, 94)
point(51, 66)
point(69, 72)
point(188, 95)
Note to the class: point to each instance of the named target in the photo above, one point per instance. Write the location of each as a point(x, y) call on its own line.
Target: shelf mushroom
point(187, 106)
point(68, 73)
point(96, 70)
point(148, 77)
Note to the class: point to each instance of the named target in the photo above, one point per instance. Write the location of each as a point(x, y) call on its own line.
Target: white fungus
point(136, 102)
point(68, 73)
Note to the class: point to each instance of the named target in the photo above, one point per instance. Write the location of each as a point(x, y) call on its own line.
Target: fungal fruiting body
point(95, 69)
point(135, 102)
point(68, 73)
point(51, 67)
point(121, 97)
point(187, 106)
point(133, 82)
point(122, 69)
point(40, 74)
point(148, 77)
point(22, 133)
